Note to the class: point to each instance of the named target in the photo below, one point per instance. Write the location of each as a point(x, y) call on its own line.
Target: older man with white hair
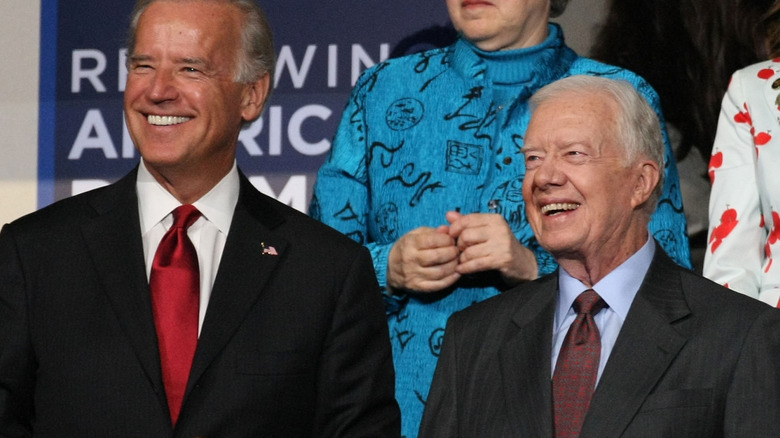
point(620, 341)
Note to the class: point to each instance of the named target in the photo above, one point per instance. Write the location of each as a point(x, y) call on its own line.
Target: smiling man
point(620, 341)
point(180, 301)
point(426, 167)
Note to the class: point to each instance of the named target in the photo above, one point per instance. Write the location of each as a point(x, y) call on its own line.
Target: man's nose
point(162, 87)
point(549, 172)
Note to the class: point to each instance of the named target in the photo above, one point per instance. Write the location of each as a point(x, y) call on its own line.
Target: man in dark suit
point(280, 331)
point(620, 341)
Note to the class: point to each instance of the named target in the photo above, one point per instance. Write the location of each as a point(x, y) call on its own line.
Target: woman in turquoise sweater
point(426, 170)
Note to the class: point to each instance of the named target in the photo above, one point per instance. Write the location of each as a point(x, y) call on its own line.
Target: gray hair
point(638, 126)
point(557, 7)
point(257, 56)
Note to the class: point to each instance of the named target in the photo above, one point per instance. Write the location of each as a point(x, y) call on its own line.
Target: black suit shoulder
point(667, 283)
point(59, 222)
point(706, 295)
point(66, 211)
point(742, 322)
point(497, 312)
point(303, 232)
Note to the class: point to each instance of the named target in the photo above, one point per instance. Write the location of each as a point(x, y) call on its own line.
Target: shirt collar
point(217, 206)
point(618, 288)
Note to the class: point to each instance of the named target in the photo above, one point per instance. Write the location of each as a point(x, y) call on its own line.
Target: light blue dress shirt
point(617, 289)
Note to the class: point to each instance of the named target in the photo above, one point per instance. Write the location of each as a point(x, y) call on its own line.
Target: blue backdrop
point(321, 47)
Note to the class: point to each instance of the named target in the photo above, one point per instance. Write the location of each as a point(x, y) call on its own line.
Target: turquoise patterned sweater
point(439, 131)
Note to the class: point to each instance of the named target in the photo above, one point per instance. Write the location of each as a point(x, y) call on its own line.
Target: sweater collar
point(532, 66)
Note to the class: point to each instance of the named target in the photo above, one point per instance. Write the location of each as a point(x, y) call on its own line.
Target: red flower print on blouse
point(766, 73)
point(728, 220)
point(774, 236)
point(715, 162)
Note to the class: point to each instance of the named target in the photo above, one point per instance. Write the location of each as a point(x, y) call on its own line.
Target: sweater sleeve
point(341, 192)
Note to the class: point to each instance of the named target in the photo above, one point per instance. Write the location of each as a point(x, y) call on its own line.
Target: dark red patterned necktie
point(578, 362)
point(175, 287)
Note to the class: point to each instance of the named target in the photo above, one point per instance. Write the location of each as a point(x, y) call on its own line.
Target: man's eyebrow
point(189, 61)
point(138, 58)
point(202, 63)
point(195, 61)
point(527, 148)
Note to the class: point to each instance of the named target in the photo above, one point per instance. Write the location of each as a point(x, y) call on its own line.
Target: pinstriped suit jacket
point(693, 359)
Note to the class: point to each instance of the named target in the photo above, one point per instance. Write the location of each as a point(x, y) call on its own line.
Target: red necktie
point(175, 287)
point(578, 362)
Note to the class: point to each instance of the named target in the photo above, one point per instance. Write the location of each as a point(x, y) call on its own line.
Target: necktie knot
point(589, 302)
point(184, 216)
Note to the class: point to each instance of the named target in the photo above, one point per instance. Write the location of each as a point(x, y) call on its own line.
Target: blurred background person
point(744, 209)
point(686, 50)
point(426, 170)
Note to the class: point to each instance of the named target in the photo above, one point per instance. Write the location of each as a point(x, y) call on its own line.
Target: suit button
point(508, 160)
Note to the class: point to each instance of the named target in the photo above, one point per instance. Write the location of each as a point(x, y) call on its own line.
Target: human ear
point(647, 177)
point(254, 97)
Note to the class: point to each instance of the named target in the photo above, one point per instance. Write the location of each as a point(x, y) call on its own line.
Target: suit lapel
point(113, 239)
point(525, 362)
point(243, 271)
point(645, 348)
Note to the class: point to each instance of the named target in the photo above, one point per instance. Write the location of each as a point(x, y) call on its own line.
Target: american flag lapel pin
point(268, 250)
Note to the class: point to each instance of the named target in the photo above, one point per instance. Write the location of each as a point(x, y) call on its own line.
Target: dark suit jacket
point(693, 359)
point(294, 344)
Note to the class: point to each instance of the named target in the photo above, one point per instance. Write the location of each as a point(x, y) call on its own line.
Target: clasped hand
point(430, 259)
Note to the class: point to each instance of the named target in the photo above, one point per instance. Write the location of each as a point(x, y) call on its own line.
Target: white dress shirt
point(208, 234)
point(617, 289)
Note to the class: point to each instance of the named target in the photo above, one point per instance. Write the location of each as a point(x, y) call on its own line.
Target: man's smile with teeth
point(552, 209)
point(165, 120)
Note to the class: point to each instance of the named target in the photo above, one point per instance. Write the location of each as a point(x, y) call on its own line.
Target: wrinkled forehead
point(594, 110)
point(193, 27)
point(210, 15)
point(570, 126)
